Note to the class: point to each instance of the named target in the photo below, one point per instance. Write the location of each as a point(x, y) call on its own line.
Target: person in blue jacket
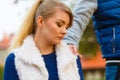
point(38, 50)
point(106, 19)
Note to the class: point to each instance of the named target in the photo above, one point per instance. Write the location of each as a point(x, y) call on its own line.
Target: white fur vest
point(30, 65)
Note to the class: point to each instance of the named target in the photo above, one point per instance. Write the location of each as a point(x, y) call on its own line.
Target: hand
point(74, 50)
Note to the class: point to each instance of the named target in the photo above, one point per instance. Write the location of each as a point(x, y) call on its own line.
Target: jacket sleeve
point(82, 12)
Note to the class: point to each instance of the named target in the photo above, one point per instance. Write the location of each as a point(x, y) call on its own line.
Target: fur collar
point(29, 54)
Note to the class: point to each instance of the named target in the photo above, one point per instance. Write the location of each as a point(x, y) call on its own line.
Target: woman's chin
point(58, 42)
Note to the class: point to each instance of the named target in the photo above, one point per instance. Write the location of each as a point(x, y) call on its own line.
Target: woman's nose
point(64, 31)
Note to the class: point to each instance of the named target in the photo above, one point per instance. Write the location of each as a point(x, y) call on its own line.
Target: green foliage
point(88, 44)
point(1, 72)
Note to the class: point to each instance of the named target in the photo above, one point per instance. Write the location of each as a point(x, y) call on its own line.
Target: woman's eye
point(67, 28)
point(59, 25)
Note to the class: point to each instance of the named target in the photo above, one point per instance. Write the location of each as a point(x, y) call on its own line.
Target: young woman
point(38, 50)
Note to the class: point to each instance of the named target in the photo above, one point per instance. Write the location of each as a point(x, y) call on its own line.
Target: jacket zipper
point(113, 39)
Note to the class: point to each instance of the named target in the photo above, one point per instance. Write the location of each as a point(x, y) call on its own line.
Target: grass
point(1, 72)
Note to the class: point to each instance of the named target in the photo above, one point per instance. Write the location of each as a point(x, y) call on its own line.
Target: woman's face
point(53, 29)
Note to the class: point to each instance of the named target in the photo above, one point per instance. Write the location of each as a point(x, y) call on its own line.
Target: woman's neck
point(43, 46)
point(45, 49)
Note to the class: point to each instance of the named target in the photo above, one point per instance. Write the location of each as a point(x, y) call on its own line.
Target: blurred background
point(12, 13)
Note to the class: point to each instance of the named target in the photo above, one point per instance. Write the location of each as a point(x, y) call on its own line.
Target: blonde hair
point(45, 8)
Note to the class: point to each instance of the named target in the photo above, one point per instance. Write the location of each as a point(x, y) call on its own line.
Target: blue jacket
point(106, 18)
point(107, 27)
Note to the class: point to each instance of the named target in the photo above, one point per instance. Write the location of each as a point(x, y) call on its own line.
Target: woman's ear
point(39, 21)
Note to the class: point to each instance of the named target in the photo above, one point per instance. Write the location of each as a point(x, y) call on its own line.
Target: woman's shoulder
point(10, 68)
point(10, 58)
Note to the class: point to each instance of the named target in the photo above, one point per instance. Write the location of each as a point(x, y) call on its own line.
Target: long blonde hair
point(45, 8)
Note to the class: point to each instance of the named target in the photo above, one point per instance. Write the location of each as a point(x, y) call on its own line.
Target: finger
point(71, 48)
point(80, 56)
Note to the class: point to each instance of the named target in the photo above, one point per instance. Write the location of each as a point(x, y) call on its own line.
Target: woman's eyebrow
point(61, 20)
